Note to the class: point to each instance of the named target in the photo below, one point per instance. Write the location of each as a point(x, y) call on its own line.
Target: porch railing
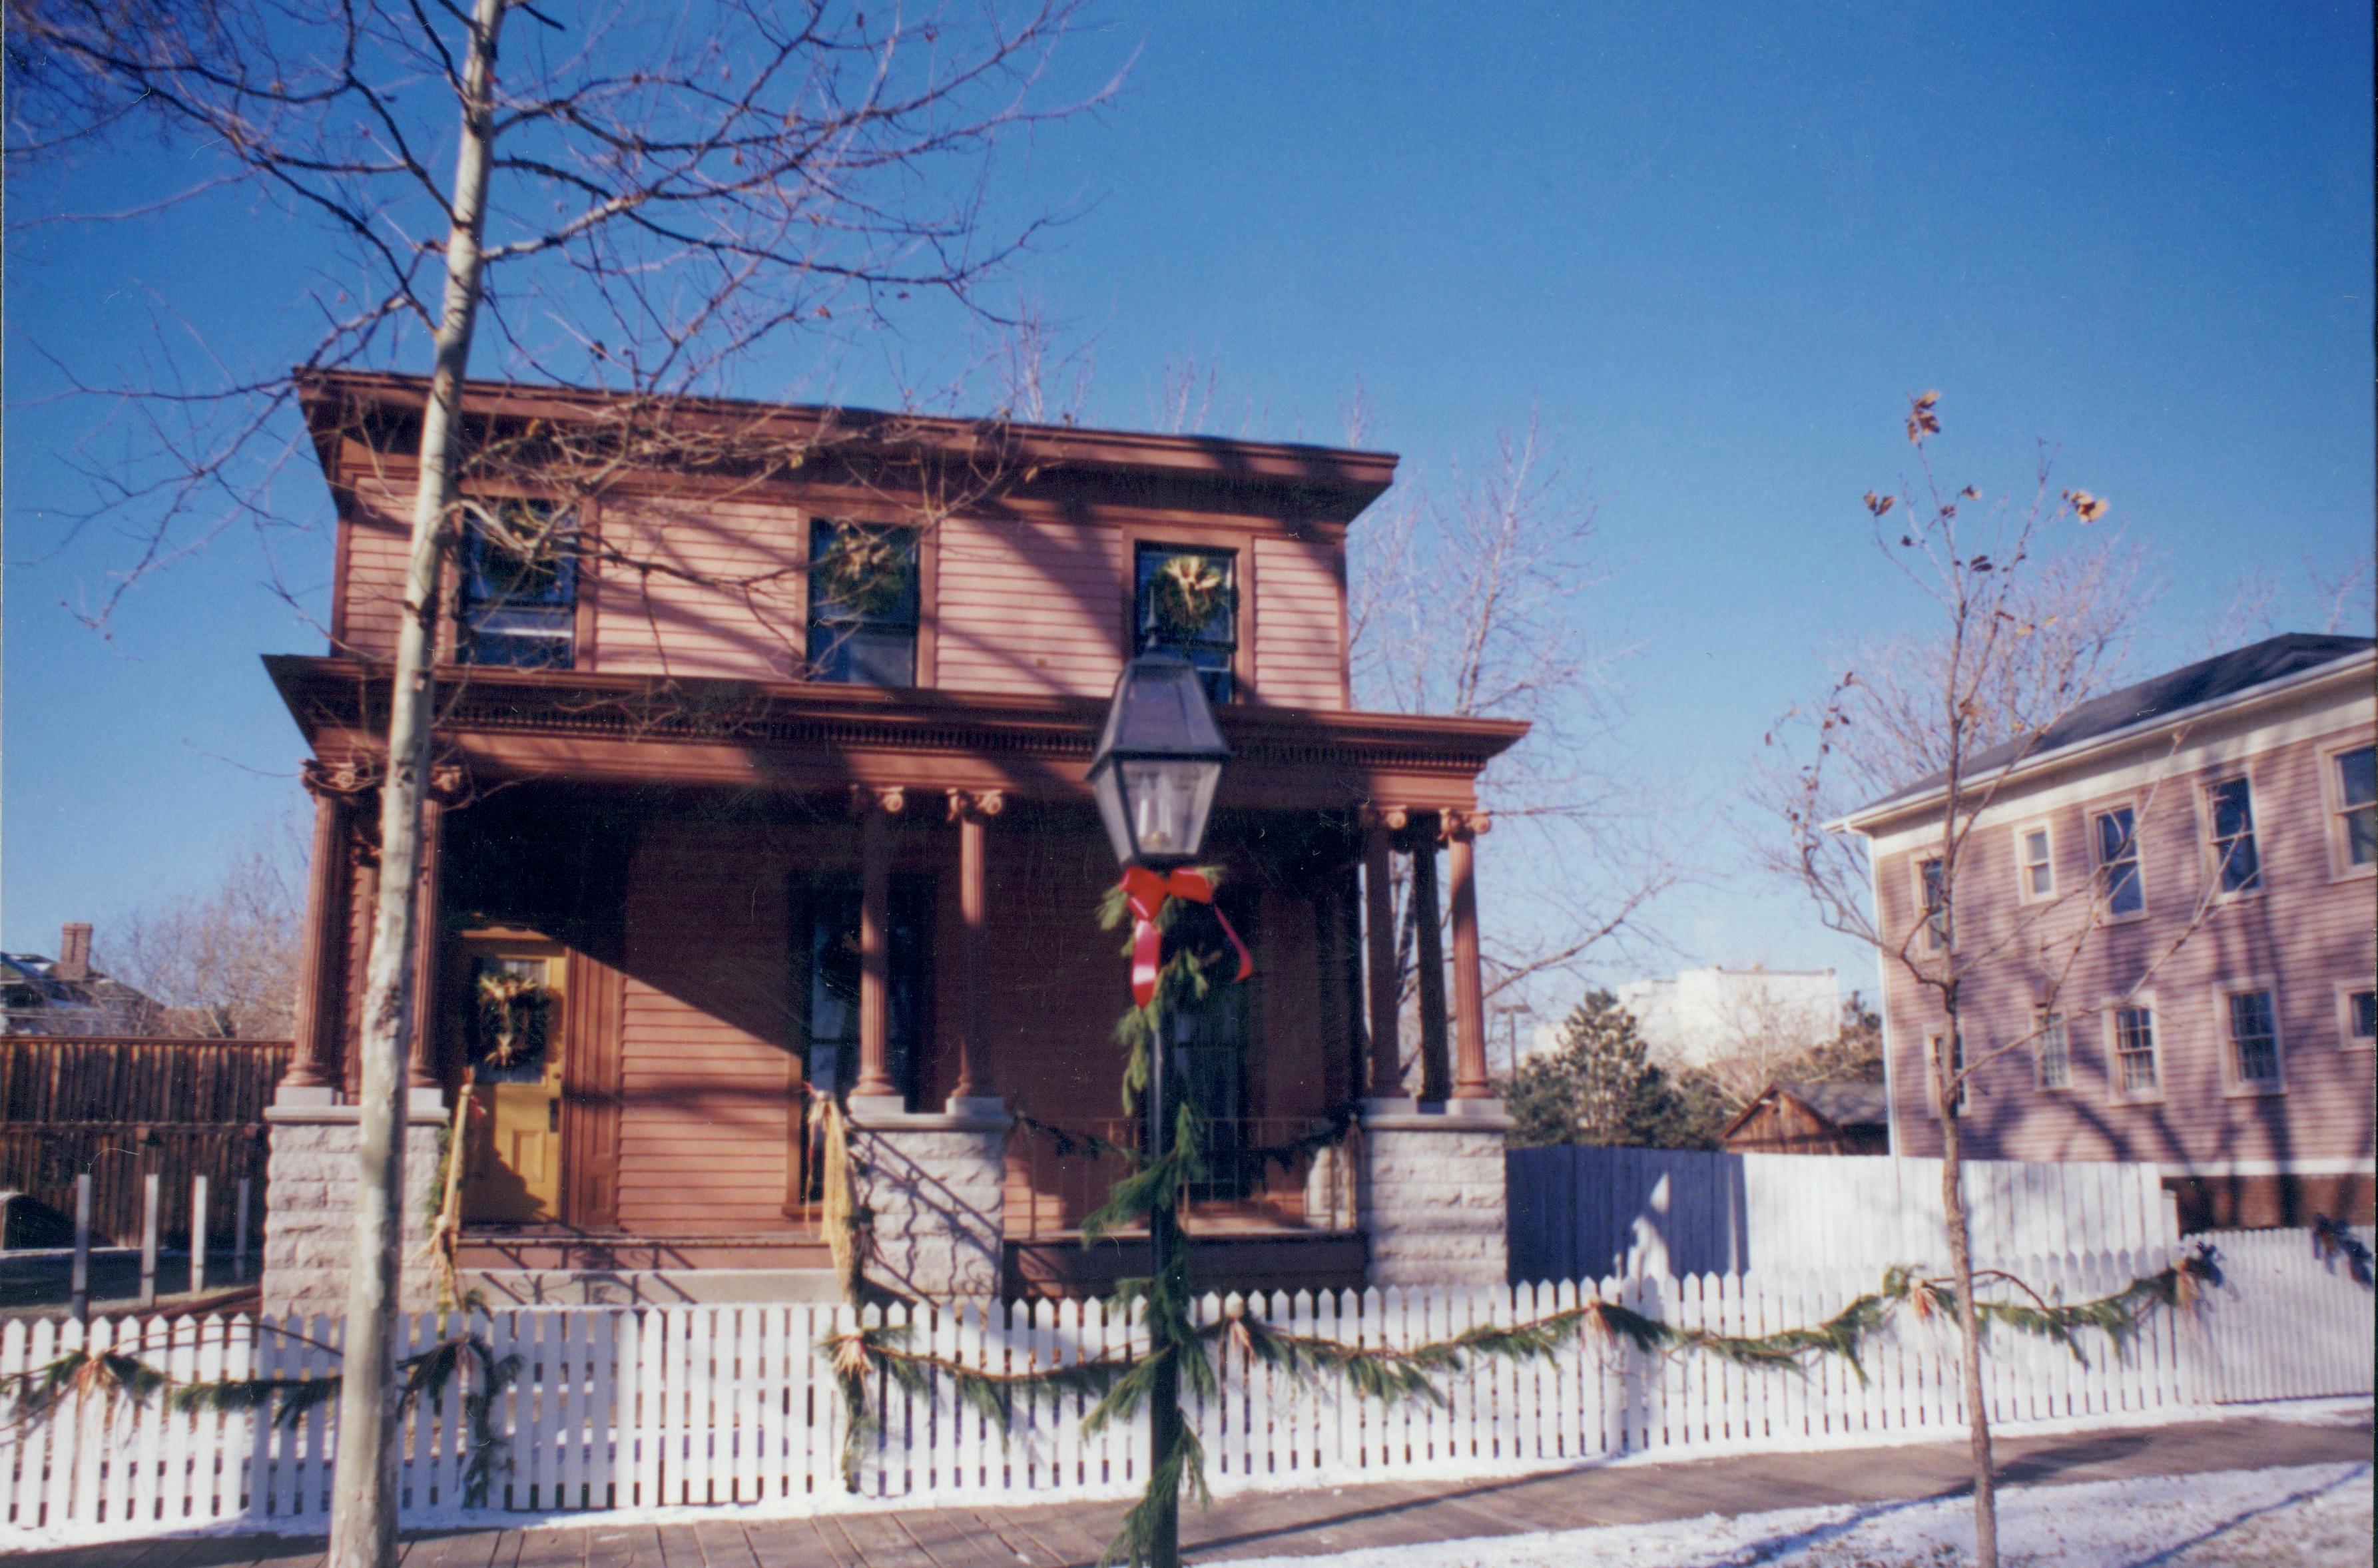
point(1259, 1177)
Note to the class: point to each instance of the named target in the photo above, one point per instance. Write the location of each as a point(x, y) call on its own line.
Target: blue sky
point(1711, 249)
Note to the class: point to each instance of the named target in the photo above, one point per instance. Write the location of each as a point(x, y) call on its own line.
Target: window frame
point(2234, 1083)
point(922, 662)
point(2345, 991)
point(2215, 858)
point(1238, 542)
point(2112, 1012)
point(1239, 554)
point(1936, 925)
point(2098, 863)
point(2044, 1021)
point(2334, 810)
point(2023, 864)
point(455, 636)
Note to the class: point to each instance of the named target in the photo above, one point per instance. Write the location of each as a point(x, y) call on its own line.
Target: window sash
point(2361, 1014)
point(850, 646)
point(2253, 1037)
point(2038, 863)
point(1213, 649)
point(515, 610)
point(2134, 1049)
point(2118, 861)
point(2233, 835)
point(2052, 1050)
point(1930, 875)
point(2357, 791)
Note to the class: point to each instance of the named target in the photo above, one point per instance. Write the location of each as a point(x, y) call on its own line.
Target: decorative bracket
point(891, 800)
point(979, 803)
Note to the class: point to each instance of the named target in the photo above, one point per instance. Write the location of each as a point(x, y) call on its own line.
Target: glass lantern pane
point(1106, 788)
point(1168, 800)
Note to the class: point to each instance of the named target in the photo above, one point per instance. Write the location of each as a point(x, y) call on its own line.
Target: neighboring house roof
point(1845, 1105)
point(34, 1001)
point(2191, 685)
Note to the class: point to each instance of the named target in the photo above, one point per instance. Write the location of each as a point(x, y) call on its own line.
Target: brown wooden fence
point(122, 1110)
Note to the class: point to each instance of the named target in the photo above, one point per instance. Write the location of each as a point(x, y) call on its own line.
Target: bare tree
point(1473, 603)
point(222, 962)
point(636, 201)
point(2024, 627)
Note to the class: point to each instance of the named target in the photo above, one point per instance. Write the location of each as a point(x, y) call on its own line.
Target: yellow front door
point(512, 1162)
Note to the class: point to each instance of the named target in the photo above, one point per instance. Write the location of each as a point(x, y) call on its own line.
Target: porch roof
point(801, 736)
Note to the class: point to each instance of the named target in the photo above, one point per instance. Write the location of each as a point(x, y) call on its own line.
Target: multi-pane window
point(2038, 862)
point(863, 599)
point(2361, 1017)
point(2051, 1051)
point(2118, 861)
point(2356, 796)
point(2232, 803)
point(2253, 1038)
point(518, 599)
point(1955, 1046)
point(1187, 600)
point(1932, 880)
point(2135, 1051)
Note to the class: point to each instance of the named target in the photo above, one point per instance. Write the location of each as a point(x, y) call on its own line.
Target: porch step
point(648, 1287)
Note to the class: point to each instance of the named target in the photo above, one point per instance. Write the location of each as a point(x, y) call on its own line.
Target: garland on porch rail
point(80, 1376)
point(869, 1358)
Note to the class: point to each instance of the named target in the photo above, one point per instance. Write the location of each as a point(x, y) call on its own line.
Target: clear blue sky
point(1711, 248)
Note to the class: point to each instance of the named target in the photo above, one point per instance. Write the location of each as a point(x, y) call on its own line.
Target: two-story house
point(2164, 915)
point(761, 784)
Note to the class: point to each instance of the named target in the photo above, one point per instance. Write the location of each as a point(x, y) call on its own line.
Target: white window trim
point(2344, 990)
point(2089, 814)
point(2041, 1015)
point(2331, 800)
point(2112, 1039)
point(2211, 849)
point(2022, 832)
point(2233, 1087)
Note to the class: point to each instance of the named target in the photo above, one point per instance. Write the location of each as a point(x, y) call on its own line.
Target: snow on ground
point(2308, 1516)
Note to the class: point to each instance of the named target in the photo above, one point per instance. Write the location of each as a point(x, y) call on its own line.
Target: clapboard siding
point(373, 541)
point(712, 587)
point(1029, 606)
point(2306, 931)
point(704, 1062)
point(1300, 624)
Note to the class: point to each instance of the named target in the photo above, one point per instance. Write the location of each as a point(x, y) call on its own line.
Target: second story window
point(2235, 861)
point(863, 599)
point(2134, 1051)
point(2117, 862)
point(1188, 601)
point(2357, 797)
point(518, 599)
point(2253, 1039)
point(2038, 863)
point(1932, 883)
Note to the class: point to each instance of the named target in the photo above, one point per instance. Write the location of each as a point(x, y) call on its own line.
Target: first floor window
point(2052, 1051)
point(2135, 1051)
point(826, 955)
point(2255, 1038)
point(2238, 864)
point(2118, 861)
point(863, 599)
point(2356, 795)
point(516, 603)
point(1955, 1046)
point(2361, 1017)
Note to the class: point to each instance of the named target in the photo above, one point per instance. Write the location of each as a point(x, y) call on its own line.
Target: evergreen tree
point(1599, 1086)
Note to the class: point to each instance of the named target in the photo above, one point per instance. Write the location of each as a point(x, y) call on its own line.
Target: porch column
point(876, 808)
point(972, 809)
point(1379, 938)
point(1470, 1082)
point(364, 901)
point(421, 1063)
point(327, 914)
point(1435, 1075)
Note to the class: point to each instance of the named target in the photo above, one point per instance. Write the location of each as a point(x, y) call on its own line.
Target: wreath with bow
point(1187, 593)
point(866, 571)
point(511, 1017)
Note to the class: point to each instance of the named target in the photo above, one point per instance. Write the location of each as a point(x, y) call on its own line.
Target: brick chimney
point(74, 953)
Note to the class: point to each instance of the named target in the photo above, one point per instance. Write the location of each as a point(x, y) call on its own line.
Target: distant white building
point(1703, 1016)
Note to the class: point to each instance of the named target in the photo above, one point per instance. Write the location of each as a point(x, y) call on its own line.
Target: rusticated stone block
point(310, 1217)
point(1432, 1198)
point(933, 1185)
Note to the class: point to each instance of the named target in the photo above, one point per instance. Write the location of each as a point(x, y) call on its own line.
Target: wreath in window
point(866, 571)
point(511, 1018)
point(1187, 595)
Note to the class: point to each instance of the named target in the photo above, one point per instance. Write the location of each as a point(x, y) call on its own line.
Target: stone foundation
point(1433, 1191)
point(310, 1217)
point(934, 1188)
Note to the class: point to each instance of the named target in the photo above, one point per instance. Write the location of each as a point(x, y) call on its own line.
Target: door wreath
point(866, 571)
point(1187, 595)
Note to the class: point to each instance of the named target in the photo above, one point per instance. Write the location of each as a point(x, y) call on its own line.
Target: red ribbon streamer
point(1146, 892)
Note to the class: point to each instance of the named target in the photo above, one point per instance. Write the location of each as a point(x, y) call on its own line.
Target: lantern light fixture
point(1159, 762)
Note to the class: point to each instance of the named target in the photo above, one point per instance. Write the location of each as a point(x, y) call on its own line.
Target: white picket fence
point(722, 1407)
point(1584, 1213)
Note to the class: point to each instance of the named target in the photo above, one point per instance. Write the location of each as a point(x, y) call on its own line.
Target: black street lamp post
point(1159, 762)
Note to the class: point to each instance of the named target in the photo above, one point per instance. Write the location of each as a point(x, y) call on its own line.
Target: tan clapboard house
point(759, 781)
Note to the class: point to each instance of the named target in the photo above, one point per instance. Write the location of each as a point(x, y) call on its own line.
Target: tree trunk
point(1969, 1326)
point(363, 1524)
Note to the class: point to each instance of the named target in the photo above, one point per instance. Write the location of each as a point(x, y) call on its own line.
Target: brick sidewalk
point(1307, 1523)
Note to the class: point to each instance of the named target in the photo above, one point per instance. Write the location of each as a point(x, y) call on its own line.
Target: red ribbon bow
point(1146, 891)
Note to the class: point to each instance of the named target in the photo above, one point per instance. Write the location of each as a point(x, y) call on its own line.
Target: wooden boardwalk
point(1303, 1523)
